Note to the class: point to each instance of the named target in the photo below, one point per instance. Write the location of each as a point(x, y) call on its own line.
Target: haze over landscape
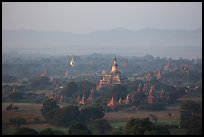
point(129, 29)
point(100, 68)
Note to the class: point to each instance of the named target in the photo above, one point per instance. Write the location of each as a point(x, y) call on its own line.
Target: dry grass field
point(161, 115)
point(26, 110)
point(31, 111)
point(186, 98)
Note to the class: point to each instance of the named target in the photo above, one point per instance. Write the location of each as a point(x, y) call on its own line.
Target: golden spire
point(72, 63)
point(114, 66)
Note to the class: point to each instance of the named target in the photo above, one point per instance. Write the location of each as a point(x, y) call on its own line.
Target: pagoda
point(112, 78)
point(112, 103)
point(150, 97)
point(158, 75)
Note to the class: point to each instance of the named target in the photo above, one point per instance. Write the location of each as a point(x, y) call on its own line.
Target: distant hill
point(157, 42)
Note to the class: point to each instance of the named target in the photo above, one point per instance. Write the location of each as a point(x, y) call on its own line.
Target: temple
point(113, 78)
point(150, 97)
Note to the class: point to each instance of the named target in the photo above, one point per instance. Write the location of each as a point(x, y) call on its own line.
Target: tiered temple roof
point(113, 78)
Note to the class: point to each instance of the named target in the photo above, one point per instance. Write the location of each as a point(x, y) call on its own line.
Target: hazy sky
point(94, 16)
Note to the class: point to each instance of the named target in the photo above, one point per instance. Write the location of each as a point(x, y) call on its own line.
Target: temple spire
point(114, 66)
point(72, 63)
point(82, 100)
point(112, 103)
point(125, 63)
point(159, 75)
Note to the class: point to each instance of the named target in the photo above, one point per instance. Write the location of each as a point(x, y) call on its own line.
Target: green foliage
point(40, 83)
point(191, 105)
point(160, 129)
point(150, 132)
point(195, 131)
point(8, 78)
point(47, 131)
point(67, 116)
point(92, 113)
point(48, 106)
point(191, 116)
point(176, 94)
point(85, 85)
point(50, 131)
point(144, 127)
point(26, 131)
point(138, 99)
point(137, 126)
point(69, 89)
point(118, 91)
point(155, 106)
point(117, 131)
point(79, 129)
point(16, 96)
point(100, 127)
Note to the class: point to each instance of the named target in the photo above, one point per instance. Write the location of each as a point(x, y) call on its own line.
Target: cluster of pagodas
point(151, 93)
point(83, 101)
point(55, 96)
point(149, 76)
point(113, 103)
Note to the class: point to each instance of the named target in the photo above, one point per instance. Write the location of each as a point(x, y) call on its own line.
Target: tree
point(137, 126)
point(67, 116)
point(117, 131)
point(85, 85)
point(47, 131)
point(118, 91)
point(150, 132)
point(144, 127)
point(92, 113)
point(8, 78)
point(26, 131)
point(79, 129)
point(159, 130)
point(70, 88)
point(100, 127)
point(49, 108)
point(15, 96)
point(138, 99)
point(40, 82)
point(50, 131)
point(191, 117)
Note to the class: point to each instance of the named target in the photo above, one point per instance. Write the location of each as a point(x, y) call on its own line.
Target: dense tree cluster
point(137, 126)
point(8, 78)
point(40, 83)
point(68, 115)
point(69, 89)
point(100, 127)
point(191, 117)
point(26, 131)
point(79, 129)
point(118, 91)
point(50, 131)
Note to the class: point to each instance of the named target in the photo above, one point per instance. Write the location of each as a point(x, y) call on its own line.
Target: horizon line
point(105, 30)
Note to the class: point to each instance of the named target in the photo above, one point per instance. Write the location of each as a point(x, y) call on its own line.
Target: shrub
point(26, 131)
